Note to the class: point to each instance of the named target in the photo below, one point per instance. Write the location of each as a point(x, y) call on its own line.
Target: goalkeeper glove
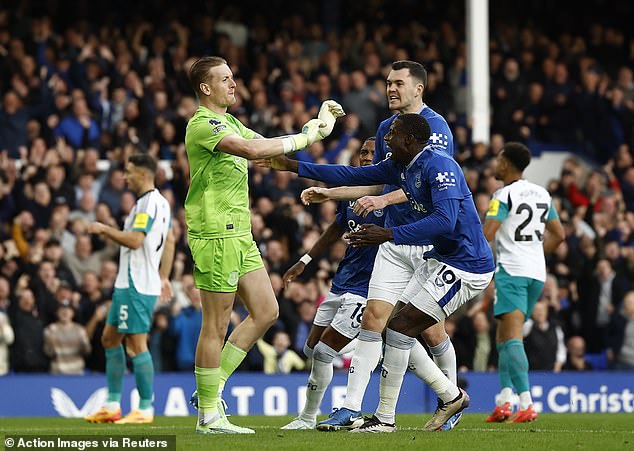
point(328, 113)
point(309, 135)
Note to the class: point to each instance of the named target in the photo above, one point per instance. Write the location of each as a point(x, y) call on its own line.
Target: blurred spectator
point(185, 326)
point(6, 340)
point(84, 259)
point(27, 352)
point(113, 190)
point(575, 359)
point(544, 341)
point(621, 336)
point(278, 357)
point(600, 295)
point(306, 312)
point(162, 345)
point(482, 348)
point(91, 297)
point(79, 129)
point(66, 342)
point(96, 361)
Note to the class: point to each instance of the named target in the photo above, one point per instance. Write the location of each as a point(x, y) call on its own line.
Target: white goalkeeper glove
point(310, 133)
point(328, 113)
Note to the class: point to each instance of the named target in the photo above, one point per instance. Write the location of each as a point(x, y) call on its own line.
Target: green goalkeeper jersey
point(217, 203)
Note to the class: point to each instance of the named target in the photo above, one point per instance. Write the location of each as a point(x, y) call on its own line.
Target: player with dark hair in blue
point(395, 264)
point(458, 268)
point(338, 317)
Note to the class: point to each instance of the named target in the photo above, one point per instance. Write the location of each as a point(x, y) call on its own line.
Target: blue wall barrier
point(258, 394)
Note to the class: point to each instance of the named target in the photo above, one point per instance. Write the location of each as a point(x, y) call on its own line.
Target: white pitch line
point(405, 429)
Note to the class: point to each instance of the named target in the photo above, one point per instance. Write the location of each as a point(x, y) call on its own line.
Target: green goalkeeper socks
point(230, 359)
point(207, 381)
point(144, 377)
point(115, 367)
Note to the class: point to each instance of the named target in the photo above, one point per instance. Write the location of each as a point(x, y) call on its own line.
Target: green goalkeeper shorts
point(219, 263)
point(515, 293)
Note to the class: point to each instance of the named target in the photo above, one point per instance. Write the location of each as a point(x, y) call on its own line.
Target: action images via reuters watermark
point(84, 442)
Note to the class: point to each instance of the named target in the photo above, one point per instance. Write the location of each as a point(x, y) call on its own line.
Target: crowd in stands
point(96, 86)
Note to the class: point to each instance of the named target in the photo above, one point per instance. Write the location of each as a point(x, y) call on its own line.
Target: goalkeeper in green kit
point(226, 259)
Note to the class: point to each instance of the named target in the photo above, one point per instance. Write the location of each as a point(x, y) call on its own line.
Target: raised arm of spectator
point(85, 342)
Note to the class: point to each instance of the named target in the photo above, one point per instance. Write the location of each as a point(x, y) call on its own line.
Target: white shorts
point(438, 289)
point(394, 267)
point(342, 312)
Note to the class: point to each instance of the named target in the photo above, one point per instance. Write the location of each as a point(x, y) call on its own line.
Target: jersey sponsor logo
point(233, 278)
point(439, 140)
point(214, 122)
point(445, 180)
point(494, 207)
point(218, 129)
point(141, 221)
point(353, 226)
point(415, 205)
point(417, 180)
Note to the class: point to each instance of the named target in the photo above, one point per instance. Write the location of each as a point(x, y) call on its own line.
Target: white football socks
point(424, 367)
point(392, 372)
point(319, 379)
point(506, 395)
point(525, 400)
point(444, 355)
point(366, 357)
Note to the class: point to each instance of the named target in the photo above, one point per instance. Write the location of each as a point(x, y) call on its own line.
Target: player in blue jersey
point(395, 264)
point(338, 317)
point(459, 266)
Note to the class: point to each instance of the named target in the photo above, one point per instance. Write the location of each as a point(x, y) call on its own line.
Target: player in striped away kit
point(518, 216)
point(145, 263)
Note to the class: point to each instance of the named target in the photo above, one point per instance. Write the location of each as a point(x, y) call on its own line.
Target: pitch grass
point(550, 432)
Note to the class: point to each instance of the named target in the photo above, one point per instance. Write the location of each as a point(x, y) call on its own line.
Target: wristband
point(306, 259)
point(289, 145)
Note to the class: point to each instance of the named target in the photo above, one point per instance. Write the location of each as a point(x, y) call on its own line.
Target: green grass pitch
point(550, 432)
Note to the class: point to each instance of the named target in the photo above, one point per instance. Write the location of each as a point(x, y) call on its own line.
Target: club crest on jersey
point(378, 213)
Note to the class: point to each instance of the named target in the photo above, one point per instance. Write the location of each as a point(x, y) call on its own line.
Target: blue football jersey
point(440, 139)
point(355, 269)
point(437, 190)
